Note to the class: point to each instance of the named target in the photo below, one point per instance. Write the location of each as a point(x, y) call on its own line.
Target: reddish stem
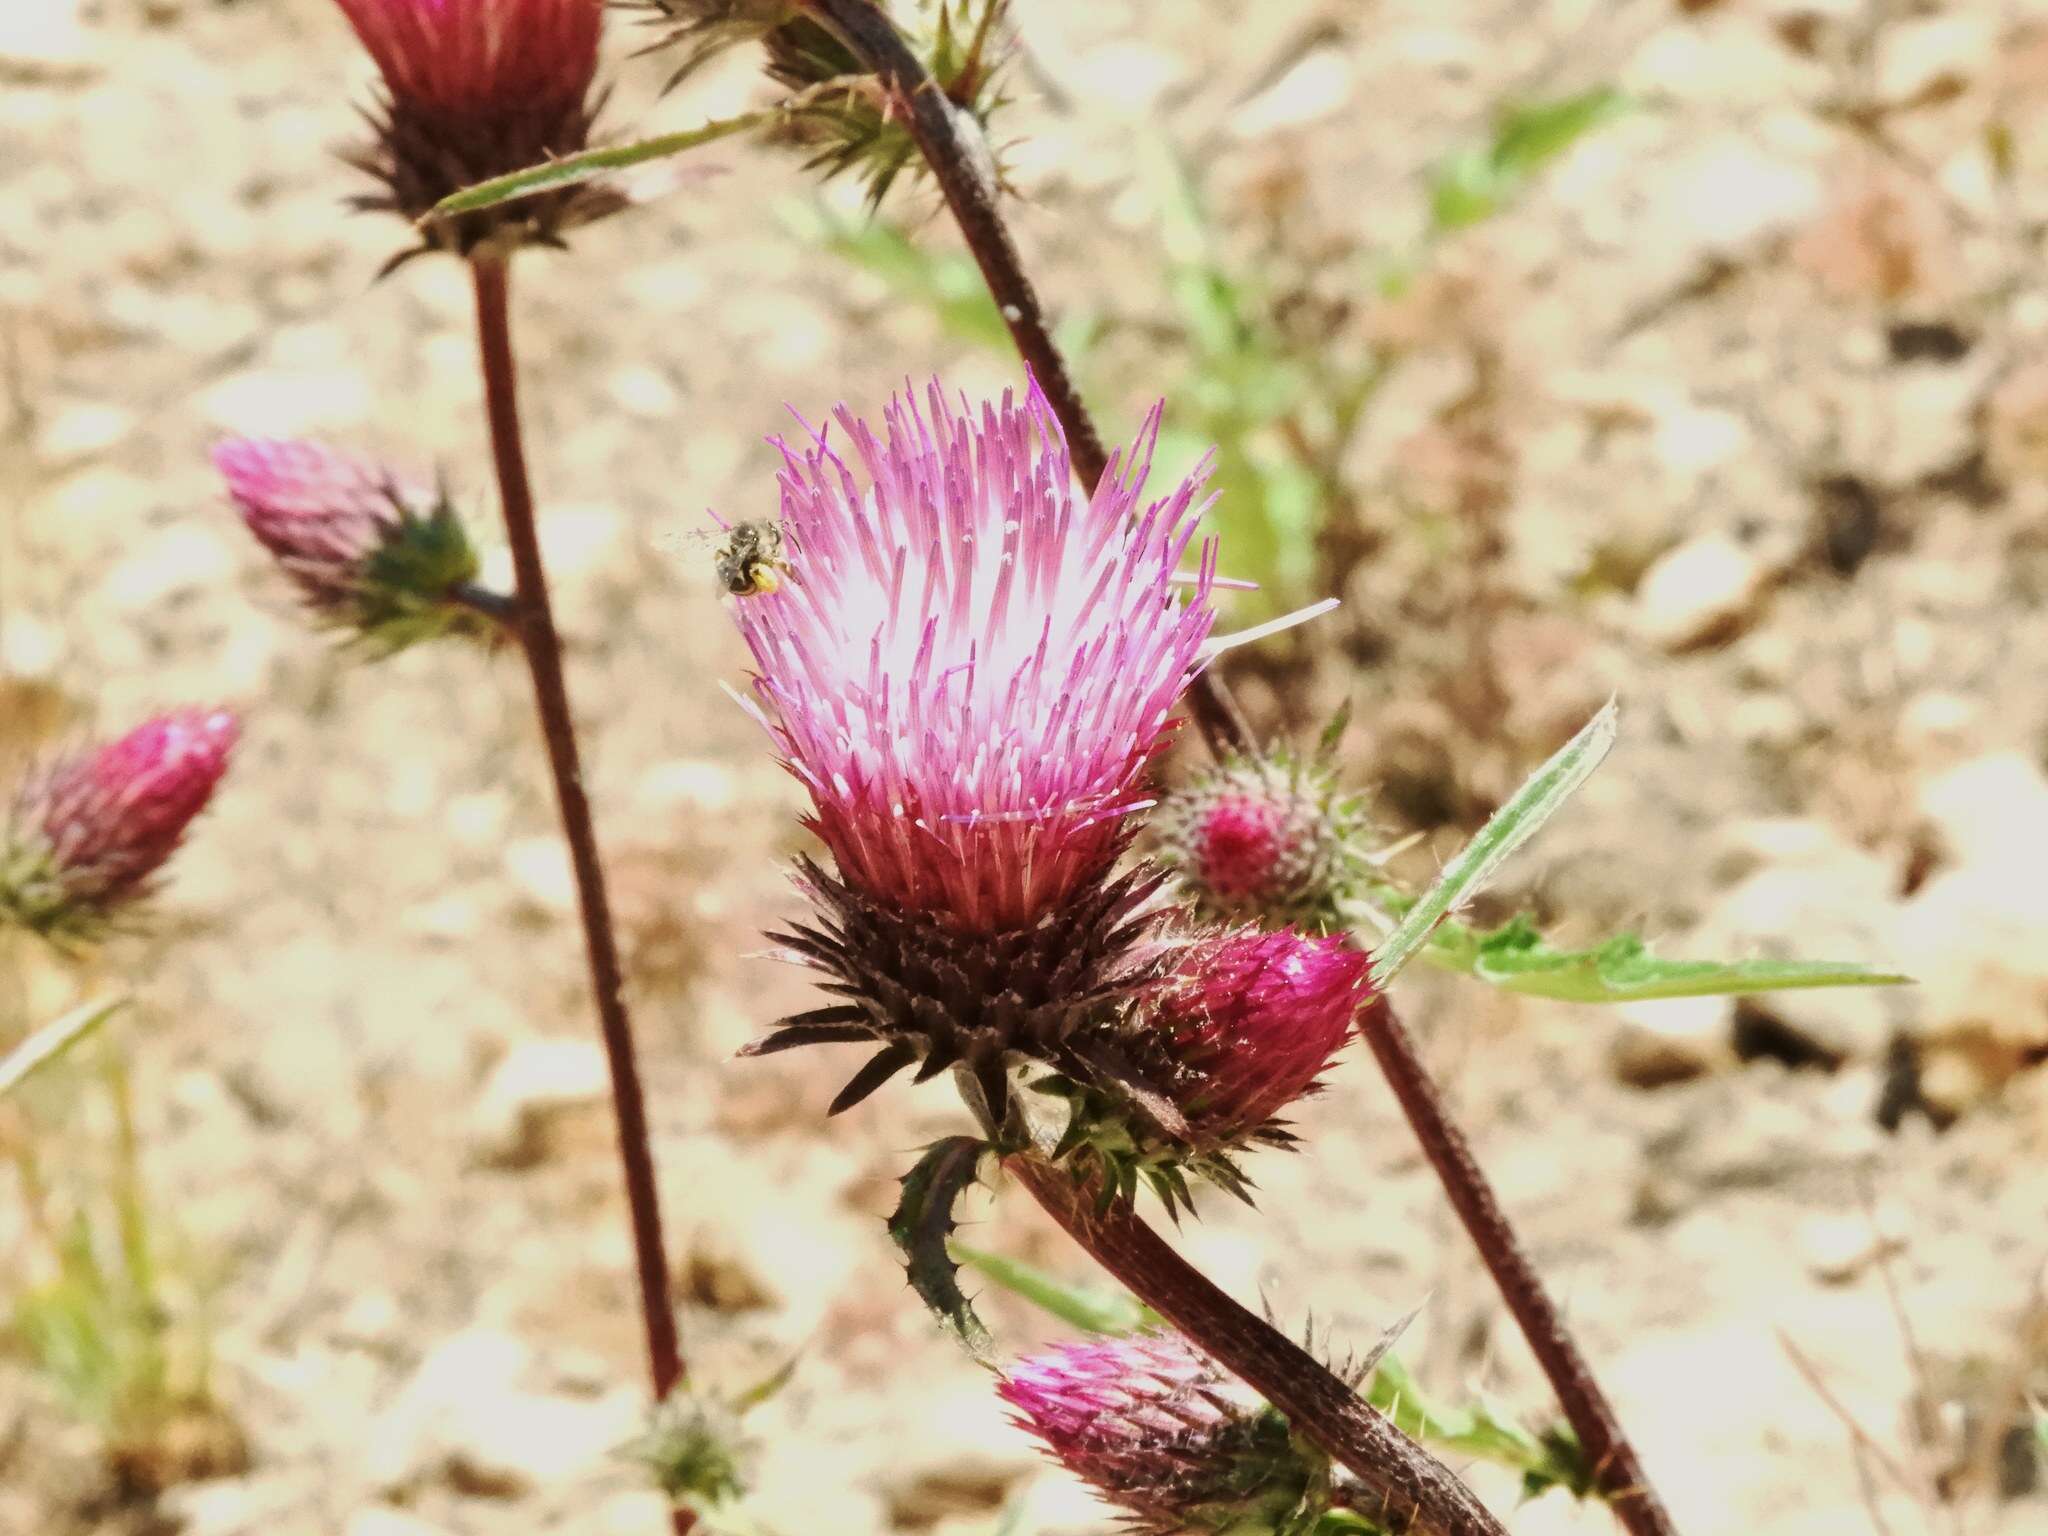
point(1406, 1489)
point(542, 645)
point(1617, 1470)
point(961, 170)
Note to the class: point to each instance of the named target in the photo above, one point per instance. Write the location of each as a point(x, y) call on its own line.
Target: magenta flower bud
point(368, 550)
point(475, 89)
point(971, 668)
point(89, 834)
point(1248, 1022)
point(1266, 839)
point(1160, 1431)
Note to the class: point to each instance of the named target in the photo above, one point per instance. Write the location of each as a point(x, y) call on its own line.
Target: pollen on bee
point(765, 582)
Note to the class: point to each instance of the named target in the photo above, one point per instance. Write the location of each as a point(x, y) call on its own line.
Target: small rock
point(383, 1520)
point(964, 1463)
point(1840, 1246)
point(534, 1100)
point(1319, 86)
point(1706, 590)
point(180, 559)
point(234, 1506)
point(1977, 939)
point(43, 41)
point(542, 875)
point(288, 402)
point(587, 545)
point(82, 431)
point(1672, 1040)
point(685, 788)
point(1990, 808)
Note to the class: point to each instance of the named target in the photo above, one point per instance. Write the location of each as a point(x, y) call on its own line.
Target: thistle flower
point(475, 89)
point(369, 551)
point(971, 668)
point(88, 834)
point(1265, 837)
point(1160, 1431)
point(1243, 1026)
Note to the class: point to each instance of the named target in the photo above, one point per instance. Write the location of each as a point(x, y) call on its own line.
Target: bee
point(749, 563)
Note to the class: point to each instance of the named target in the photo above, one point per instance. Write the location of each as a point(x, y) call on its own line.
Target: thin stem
point(542, 645)
point(961, 170)
point(1404, 1488)
point(1617, 1470)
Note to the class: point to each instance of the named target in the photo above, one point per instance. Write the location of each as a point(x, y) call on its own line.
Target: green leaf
point(1484, 1430)
point(1506, 830)
point(571, 170)
point(53, 1040)
point(1476, 182)
point(921, 1225)
point(1091, 1309)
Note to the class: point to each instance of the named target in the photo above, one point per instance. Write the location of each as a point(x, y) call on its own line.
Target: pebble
point(541, 874)
point(81, 431)
point(1672, 1040)
point(171, 563)
point(534, 1100)
point(1705, 590)
point(44, 40)
point(383, 1520)
point(1990, 808)
point(1319, 86)
point(288, 402)
point(1838, 1247)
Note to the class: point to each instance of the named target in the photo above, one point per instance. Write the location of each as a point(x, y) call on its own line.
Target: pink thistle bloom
point(1247, 1022)
point(477, 89)
point(90, 833)
point(971, 667)
point(1159, 1430)
point(368, 549)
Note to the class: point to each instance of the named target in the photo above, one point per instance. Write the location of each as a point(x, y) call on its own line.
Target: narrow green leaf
point(571, 170)
point(921, 1225)
point(1088, 1308)
point(1506, 830)
point(53, 1040)
point(1527, 137)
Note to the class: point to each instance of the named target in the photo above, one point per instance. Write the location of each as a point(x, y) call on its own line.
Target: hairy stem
point(542, 645)
point(1402, 1487)
point(961, 168)
point(1617, 1470)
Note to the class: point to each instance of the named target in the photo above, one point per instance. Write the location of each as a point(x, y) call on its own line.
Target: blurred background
point(1693, 353)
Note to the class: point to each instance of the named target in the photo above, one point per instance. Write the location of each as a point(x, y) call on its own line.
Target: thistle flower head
point(1265, 838)
point(369, 551)
point(88, 834)
point(1160, 1431)
point(1247, 1022)
point(475, 89)
point(970, 666)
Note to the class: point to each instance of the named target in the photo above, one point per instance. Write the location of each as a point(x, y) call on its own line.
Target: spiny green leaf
point(572, 170)
point(1506, 830)
point(1089, 1308)
point(921, 1225)
point(53, 1040)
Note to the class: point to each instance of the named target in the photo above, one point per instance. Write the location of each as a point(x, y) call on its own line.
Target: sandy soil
point(1738, 414)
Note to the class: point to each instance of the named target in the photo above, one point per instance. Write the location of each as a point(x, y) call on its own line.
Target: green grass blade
point(53, 1040)
point(1505, 831)
point(571, 170)
point(1084, 1307)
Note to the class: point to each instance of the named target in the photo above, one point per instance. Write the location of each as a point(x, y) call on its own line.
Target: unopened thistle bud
point(971, 667)
point(1160, 1431)
point(370, 552)
point(1242, 1027)
point(475, 89)
point(88, 834)
point(837, 108)
point(1265, 838)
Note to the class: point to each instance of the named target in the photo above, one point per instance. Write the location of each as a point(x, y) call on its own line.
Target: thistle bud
point(1247, 1023)
point(1160, 1431)
point(1265, 838)
point(475, 89)
point(837, 109)
point(369, 552)
point(1241, 1027)
point(89, 834)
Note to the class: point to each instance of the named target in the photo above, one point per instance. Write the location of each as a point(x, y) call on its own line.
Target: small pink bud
point(477, 89)
point(1264, 838)
point(369, 550)
point(89, 833)
point(1248, 1022)
point(1161, 1432)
